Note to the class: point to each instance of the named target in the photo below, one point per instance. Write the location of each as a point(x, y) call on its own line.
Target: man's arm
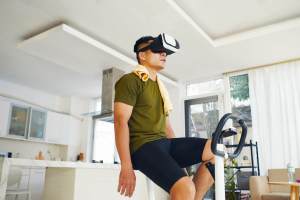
point(169, 131)
point(127, 179)
point(122, 113)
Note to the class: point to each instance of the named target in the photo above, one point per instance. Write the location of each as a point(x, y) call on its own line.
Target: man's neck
point(152, 72)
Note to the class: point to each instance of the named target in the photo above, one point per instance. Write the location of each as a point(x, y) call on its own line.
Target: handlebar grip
point(242, 140)
point(218, 136)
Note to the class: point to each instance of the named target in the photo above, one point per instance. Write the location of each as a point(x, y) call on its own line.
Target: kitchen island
point(76, 180)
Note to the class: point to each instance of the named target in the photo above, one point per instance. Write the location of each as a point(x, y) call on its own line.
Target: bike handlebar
point(219, 134)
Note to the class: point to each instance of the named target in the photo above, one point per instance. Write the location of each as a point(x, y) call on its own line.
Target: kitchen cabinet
point(4, 113)
point(18, 121)
point(52, 127)
point(63, 129)
point(37, 123)
point(21, 121)
point(57, 128)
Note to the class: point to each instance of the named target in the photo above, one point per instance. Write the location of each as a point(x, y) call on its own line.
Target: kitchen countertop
point(77, 179)
point(64, 164)
point(6, 163)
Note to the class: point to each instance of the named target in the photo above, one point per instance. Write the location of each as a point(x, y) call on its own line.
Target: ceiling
point(215, 37)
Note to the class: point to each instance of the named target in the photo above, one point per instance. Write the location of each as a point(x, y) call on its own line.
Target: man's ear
point(142, 55)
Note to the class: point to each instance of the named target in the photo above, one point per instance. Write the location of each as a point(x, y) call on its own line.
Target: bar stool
point(14, 187)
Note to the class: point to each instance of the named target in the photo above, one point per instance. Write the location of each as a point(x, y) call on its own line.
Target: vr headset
point(162, 43)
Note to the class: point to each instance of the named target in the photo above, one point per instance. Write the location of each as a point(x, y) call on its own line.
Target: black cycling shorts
point(162, 160)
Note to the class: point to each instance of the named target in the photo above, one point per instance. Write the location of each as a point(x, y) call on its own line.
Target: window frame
point(194, 99)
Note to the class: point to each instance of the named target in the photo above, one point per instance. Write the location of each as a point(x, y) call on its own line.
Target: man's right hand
point(127, 181)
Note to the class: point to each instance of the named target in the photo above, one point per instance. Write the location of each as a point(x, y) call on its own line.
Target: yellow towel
point(143, 73)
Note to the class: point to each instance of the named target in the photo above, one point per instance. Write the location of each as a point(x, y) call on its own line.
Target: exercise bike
point(218, 149)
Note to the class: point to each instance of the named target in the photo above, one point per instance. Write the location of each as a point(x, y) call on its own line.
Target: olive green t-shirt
point(148, 119)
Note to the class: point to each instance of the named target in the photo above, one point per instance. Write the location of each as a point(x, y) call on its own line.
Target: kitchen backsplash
point(29, 150)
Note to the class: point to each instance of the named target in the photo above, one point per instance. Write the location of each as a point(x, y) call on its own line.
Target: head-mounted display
point(162, 43)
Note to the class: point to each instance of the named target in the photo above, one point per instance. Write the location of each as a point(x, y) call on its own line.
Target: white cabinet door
point(57, 128)
point(4, 116)
point(52, 127)
point(37, 181)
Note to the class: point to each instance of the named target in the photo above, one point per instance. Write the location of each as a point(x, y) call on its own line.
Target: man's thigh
point(154, 160)
point(187, 151)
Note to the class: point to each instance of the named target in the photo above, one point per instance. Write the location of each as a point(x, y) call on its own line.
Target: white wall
point(177, 95)
point(77, 106)
point(81, 143)
point(44, 99)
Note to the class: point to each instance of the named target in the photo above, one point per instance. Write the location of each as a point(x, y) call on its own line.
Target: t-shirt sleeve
point(126, 90)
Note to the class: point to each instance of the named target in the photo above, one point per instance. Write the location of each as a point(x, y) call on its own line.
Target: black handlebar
point(219, 134)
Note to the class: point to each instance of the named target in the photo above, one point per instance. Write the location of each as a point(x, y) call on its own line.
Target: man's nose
point(163, 54)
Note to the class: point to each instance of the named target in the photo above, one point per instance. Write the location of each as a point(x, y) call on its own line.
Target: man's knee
point(184, 188)
point(207, 154)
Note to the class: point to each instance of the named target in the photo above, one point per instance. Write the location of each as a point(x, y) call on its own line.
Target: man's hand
point(127, 181)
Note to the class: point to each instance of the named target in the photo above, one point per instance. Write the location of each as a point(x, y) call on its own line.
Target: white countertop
point(56, 164)
point(85, 171)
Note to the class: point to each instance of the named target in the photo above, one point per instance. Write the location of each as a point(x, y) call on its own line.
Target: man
point(144, 136)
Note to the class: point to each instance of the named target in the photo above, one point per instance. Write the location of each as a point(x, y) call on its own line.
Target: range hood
point(109, 78)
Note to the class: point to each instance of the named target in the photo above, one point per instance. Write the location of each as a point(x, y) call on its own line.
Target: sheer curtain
point(275, 104)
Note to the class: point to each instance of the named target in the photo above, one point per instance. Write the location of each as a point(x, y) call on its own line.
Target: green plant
point(230, 184)
point(239, 87)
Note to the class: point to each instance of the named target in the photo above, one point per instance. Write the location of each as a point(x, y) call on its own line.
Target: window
point(202, 116)
point(240, 99)
point(104, 149)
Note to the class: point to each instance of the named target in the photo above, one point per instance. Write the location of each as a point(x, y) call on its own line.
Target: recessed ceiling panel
point(222, 18)
point(67, 47)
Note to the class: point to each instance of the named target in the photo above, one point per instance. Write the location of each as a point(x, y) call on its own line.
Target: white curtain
point(275, 107)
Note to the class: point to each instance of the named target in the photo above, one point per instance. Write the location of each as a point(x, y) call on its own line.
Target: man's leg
point(188, 151)
point(154, 160)
point(203, 179)
point(184, 188)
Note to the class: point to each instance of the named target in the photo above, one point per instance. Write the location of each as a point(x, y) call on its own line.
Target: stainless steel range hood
point(109, 78)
